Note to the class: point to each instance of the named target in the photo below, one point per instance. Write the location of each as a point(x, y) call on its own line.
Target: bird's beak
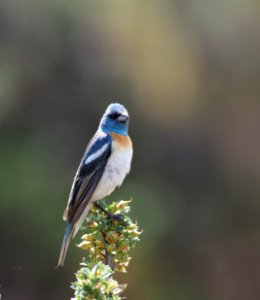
point(122, 118)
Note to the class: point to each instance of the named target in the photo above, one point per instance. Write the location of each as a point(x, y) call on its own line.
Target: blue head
point(115, 119)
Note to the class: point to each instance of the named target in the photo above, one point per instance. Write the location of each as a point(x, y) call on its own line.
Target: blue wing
point(88, 175)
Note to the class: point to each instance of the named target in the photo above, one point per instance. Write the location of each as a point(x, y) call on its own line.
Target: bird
point(103, 167)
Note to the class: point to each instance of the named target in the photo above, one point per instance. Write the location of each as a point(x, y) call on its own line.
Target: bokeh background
point(188, 72)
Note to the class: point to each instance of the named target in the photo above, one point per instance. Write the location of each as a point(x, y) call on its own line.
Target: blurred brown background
point(188, 72)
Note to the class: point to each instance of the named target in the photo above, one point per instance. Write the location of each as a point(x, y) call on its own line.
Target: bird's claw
point(118, 218)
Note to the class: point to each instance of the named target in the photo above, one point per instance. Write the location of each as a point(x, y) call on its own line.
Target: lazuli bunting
point(106, 162)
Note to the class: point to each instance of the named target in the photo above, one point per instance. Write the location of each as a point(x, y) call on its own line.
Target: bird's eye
point(114, 116)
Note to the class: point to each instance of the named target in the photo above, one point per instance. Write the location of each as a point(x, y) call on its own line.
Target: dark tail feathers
point(64, 247)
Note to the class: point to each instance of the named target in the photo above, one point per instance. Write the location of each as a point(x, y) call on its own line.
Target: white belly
point(118, 166)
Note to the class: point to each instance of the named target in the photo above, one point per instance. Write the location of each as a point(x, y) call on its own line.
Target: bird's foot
point(114, 217)
point(118, 218)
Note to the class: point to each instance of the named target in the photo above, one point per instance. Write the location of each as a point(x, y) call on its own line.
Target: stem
point(107, 255)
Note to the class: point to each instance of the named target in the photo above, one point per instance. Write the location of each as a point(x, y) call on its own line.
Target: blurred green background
point(188, 72)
